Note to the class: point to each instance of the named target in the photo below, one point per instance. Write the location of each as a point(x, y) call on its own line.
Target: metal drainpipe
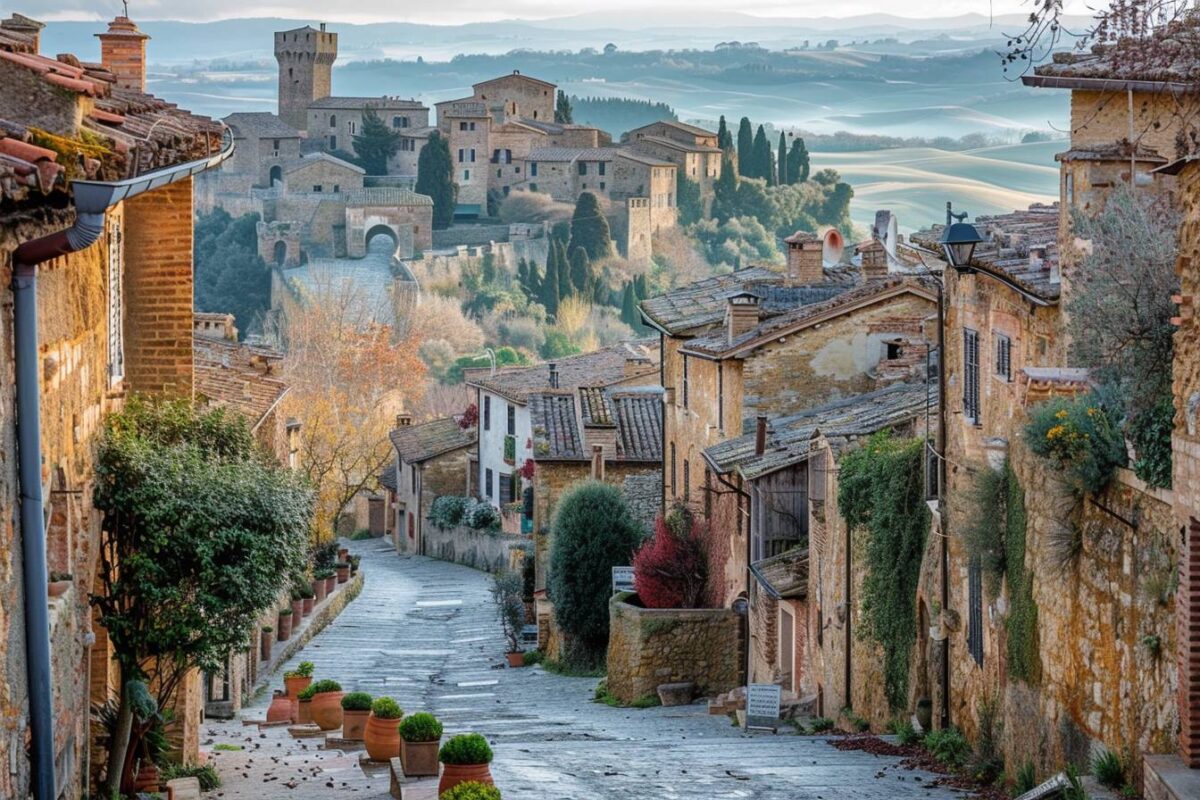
point(941, 299)
point(83, 233)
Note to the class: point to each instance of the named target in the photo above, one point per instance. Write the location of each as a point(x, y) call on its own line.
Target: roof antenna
point(125, 4)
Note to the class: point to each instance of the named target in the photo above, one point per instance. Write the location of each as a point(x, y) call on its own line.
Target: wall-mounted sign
point(622, 579)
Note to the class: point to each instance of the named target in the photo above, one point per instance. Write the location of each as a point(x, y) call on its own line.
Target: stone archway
point(378, 230)
point(280, 253)
point(275, 176)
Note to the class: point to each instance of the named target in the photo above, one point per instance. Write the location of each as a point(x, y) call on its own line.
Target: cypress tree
point(562, 109)
point(745, 148)
point(724, 137)
point(581, 272)
point(639, 288)
point(564, 272)
point(534, 281)
point(435, 178)
point(688, 199)
point(629, 314)
point(725, 192)
point(798, 163)
point(781, 165)
point(550, 285)
point(523, 275)
point(589, 229)
point(763, 165)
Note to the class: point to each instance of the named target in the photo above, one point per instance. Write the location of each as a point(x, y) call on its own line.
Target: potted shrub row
point(472, 790)
point(326, 704)
point(356, 708)
point(343, 571)
point(318, 586)
point(466, 758)
point(268, 638)
point(420, 735)
point(382, 736)
point(298, 679)
point(284, 625)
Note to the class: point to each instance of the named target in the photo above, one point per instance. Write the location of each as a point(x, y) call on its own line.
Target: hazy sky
point(458, 11)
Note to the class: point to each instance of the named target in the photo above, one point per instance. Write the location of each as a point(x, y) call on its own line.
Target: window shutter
point(1004, 357)
point(116, 303)
point(971, 375)
point(975, 601)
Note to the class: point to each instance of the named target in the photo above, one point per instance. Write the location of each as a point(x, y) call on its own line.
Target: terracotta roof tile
point(417, 443)
point(599, 368)
point(237, 376)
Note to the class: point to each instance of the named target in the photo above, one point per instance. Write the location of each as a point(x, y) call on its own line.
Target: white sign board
point(622, 579)
point(762, 705)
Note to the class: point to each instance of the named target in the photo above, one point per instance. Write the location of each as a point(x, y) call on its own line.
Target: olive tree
point(200, 533)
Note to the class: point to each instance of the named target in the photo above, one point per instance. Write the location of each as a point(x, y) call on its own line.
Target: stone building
point(693, 150)
point(114, 301)
point(432, 459)
point(759, 343)
point(799, 550)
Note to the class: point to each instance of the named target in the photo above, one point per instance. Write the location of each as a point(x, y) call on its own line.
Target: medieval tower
point(305, 57)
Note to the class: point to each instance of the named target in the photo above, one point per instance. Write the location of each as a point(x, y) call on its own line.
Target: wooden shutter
point(1004, 356)
point(975, 603)
point(971, 375)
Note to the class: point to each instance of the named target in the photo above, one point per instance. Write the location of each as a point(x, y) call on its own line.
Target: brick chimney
point(760, 435)
point(637, 365)
point(741, 314)
point(597, 462)
point(874, 259)
point(805, 258)
point(123, 53)
point(404, 420)
point(23, 25)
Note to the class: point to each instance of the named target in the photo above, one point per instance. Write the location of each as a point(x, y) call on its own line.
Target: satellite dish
point(833, 247)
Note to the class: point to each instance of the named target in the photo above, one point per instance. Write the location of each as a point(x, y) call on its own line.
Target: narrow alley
point(424, 633)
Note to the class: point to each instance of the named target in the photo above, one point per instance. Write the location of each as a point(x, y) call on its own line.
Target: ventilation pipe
point(760, 435)
point(92, 200)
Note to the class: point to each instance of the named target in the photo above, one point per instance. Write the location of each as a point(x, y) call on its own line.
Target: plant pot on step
point(318, 587)
point(343, 553)
point(284, 626)
point(304, 712)
point(330, 584)
point(295, 684)
point(327, 705)
point(419, 759)
point(58, 588)
point(297, 612)
point(381, 735)
point(307, 605)
point(282, 708)
point(354, 725)
point(343, 572)
point(465, 757)
point(268, 639)
point(516, 658)
point(454, 774)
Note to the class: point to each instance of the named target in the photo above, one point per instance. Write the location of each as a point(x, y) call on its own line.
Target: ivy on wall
point(881, 490)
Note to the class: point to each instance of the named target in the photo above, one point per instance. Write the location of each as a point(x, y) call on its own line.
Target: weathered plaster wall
point(477, 549)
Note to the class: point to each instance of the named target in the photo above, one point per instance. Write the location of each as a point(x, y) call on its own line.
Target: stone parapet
point(651, 646)
point(471, 548)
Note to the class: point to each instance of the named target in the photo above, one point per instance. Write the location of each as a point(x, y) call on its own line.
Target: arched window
point(333, 120)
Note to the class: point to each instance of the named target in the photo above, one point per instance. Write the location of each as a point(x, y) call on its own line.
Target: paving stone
point(550, 740)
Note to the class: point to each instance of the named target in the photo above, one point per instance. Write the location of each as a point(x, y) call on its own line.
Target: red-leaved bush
point(671, 568)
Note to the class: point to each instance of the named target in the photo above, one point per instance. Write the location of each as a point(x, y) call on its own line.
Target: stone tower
point(305, 57)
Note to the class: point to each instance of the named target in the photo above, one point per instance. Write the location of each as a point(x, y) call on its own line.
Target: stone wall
point(470, 235)
point(471, 548)
point(648, 647)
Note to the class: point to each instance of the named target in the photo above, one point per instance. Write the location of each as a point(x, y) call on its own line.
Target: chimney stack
point(760, 435)
point(805, 258)
point(123, 53)
point(21, 24)
point(404, 420)
point(874, 259)
point(741, 314)
point(553, 375)
point(597, 462)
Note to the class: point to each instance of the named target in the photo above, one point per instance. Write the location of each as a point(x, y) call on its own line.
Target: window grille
point(116, 302)
point(1004, 356)
point(975, 627)
point(971, 375)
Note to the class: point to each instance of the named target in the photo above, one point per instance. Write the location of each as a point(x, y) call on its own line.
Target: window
point(496, 157)
point(506, 489)
point(499, 173)
point(466, 174)
point(413, 470)
point(971, 375)
point(487, 413)
point(462, 126)
point(353, 127)
point(504, 190)
point(685, 382)
point(316, 187)
point(472, 155)
point(673, 493)
point(1069, 190)
point(487, 483)
point(461, 155)
point(333, 143)
point(583, 168)
point(533, 187)
point(892, 350)
point(275, 145)
point(975, 610)
point(601, 167)
point(1004, 356)
point(533, 169)
point(512, 419)
point(333, 120)
point(708, 493)
point(337, 187)
point(507, 156)
point(687, 481)
point(116, 305)
point(602, 186)
point(399, 122)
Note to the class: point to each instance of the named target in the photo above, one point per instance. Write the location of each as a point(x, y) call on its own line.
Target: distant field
point(915, 183)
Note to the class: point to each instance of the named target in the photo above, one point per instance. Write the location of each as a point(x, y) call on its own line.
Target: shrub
point(285, 612)
point(471, 790)
point(206, 774)
point(303, 591)
point(1150, 432)
point(303, 670)
point(948, 746)
point(323, 574)
point(386, 708)
point(421, 727)
point(671, 568)
point(593, 532)
point(821, 724)
point(1108, 769)
point(356, 701)
point(447, 511)
point(1026, 779)
point(481, 516)
point(325, 686)
point(905, 733)
point(858, 723)
point(532, 657)
point(325, 555)
point(1079, 438)
point(510, 607)
point(361, 534)
point(466, 748)
point(646, 701)
point(308, 692)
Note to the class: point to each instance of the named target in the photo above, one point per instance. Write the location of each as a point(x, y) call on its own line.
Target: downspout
point(85, 232)
point(941, 460)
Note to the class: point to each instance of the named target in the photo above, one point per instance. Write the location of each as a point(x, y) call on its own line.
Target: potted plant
point(328, 577)
point(268, 637)
point(466, 757)
point(343, 571)
point(354, 561)
point(327, 704)
point(318, 586)
point(382, 736)
point(925, 714)
point(507, 591)
point(298, 679)
point(59, 583)
point(420, 736)
point(281, 707)
point(356, 707)
point(304, 593)
point(304, 705)
point(343, 554)
point(285, 624)
point(470, 790)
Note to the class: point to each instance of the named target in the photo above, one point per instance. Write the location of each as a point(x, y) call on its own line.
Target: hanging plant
point(527, 469)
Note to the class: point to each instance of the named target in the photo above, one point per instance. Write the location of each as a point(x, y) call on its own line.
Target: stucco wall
point(476, 549)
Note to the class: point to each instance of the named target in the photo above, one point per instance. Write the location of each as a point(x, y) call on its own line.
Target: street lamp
point(958, 240)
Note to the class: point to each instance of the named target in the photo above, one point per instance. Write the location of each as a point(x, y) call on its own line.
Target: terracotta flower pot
point(419, 758)
point(330, 584)
point(283, 628)
point(58, 588)
point(454, 774)
point(306, 605)
point(304, 711)
point(343, 574)
point(343, 553)
point(318, 587)
point(382, 737)
point(297, 612)
point(295, 685)
point(268, 638)
point(516, 659)
point(354, 724)
point(327, 710)
point(282, 708)
point(148, 778)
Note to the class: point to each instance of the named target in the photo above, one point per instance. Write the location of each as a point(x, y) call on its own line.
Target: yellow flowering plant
point(1080, 437)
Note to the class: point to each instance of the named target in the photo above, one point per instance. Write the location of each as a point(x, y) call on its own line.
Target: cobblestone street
point(424, 632)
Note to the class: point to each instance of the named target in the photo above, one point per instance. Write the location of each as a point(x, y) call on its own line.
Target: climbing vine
point(881, 489)
point(1022, 621)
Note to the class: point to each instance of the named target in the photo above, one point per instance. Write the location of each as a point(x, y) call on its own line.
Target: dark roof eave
point(1108, 84)
point(1015, 285)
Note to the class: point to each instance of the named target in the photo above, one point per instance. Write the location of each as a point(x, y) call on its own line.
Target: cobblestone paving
point(424, 632)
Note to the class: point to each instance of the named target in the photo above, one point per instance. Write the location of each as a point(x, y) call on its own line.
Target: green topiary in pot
point(466, 748)
point(421, 727)
point(356, 701)
point(386, 708)
point(471, 790)
point(325, 686)
point(303, 670)
point(307, 692)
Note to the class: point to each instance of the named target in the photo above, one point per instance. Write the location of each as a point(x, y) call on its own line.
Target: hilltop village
point(596, 456)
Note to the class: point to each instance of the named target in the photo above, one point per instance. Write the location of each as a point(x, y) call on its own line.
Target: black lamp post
point(959, 240)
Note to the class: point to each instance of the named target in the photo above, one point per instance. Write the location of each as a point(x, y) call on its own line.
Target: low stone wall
point(652, 646)
point(471, 548)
